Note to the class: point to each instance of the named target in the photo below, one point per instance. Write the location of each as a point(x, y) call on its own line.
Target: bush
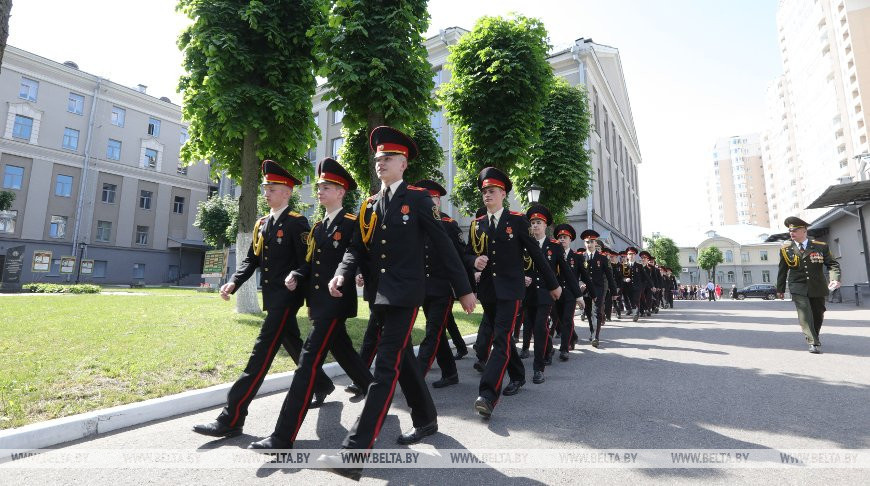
point(49, 288)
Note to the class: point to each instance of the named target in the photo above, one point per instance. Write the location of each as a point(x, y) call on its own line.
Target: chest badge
point(280, 235)
point(510, 232)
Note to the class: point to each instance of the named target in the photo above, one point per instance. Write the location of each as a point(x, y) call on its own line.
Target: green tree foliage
point(495, 99)
point(5, 13)
point(375, 59)
point(561, 165)
point(665, 252)
point(6, 200)
point(708, 259)
point(218, 217)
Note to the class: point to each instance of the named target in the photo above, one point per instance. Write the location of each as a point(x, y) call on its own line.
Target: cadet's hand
point(834, 285)
point(555, 293)
point(334, 284)
point(290, 282)
point(480, 262)
point(528, 281)
point(227, 289)
point(477, 277)
point(360, 281)
point(468, 302)
point(582, 287)
point(780, 295)
point(580, 303)
point(628, 280)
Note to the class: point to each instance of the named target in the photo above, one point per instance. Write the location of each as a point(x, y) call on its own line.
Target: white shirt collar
point(803, 244)
point(275, 213)
point(541, 241)
point(331, 216)
point(497, 215)
point(392, 187)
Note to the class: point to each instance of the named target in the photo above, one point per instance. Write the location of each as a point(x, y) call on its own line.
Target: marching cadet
point(538, 302)
point(495, 248)
point(802, 263)
point(569, 299)
point(327, 242)
point(636, 281)
point(648, 294)
point(601, 277)
point(611, 292)
point(616, 298)
point(438, 304)
point(392, 224)
point(278, 247)
point(587, 296)
point(657, 283)
point(670, 284)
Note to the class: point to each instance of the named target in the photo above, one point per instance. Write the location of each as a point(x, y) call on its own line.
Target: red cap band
point(393, 148)
point(538, 216)
point(492, 182)
point(335, 179)
point(277, 179)
point(563, 232)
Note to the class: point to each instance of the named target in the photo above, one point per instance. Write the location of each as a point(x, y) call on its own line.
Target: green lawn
point(66, 354)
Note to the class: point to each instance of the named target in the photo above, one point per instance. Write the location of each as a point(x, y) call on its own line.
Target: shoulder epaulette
point(294, 214)
point(517, 213)
point(447, 219)
point(371, 198)
point(482, 216)
point(816, 242)
point(554, 240)
point(264, 218)
point(786, 243)
point(415, 188)
point(349, 216)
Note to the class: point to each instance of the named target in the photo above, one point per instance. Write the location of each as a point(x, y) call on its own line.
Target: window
point(13, 177)
point(747, 277)
point(7, 221)
point(729, 256)
point(70, 138)
point(744, 256)
point(178, 205)
point(104, 230)
point(113, 150)
point(99, 269)
point(183, 137)
point(57, 228)
point(337, 116)
point(63, 186)
point(141, 235)
point(154, 127)
point(22, 128)
point(145, 199)
point(150, 159)
point(109, 193)
point(730, 277)
point(691, 258)
point(336, 144)
point(138, 270)
point(765, 276)
point(181, 169)
point(118, 116)
point(763, 255)
point(29, 89)
point(75, 104)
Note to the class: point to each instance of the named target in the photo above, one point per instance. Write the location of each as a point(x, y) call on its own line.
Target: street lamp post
point(82, 246)
point(533, 193)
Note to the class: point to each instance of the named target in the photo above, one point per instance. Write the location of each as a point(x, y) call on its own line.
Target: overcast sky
point(696, 70)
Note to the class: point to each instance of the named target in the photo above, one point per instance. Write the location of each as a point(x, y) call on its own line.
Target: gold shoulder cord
point(791, 262)
point(309, 241)
point(528, 262)
point(366, 229)
point(626, 270)
point(258, 239)
point(478, 243)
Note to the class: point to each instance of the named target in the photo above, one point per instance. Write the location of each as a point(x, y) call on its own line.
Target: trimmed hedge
point(49, 288)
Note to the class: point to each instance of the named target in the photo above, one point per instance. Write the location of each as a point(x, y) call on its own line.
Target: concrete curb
point(58, 431)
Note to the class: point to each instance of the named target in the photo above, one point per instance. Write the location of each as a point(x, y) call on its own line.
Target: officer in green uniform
point(801, 263)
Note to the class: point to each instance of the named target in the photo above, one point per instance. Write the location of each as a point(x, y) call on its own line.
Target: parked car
point(762, 291)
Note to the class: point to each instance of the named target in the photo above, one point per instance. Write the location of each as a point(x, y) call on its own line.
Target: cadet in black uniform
point(571, 293)
point(438, 305)
point(587, 295)
point(278, 246)
point(391, 239)
point(649, 289)
point(616, 300)
point(495, 248)
point(601, 277)
point(327, 242)
point(635, 281)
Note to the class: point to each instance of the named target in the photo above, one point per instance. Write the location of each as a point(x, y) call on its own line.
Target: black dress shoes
point(446, 381)
point(594, 343)
point(217, 429)
point(483, 407)
point(336, 463)
point(537, 379)
point(479, 366)
point(548, 360)
point(354, 390)
point(563, 355)
point(320, 397)
point(513, 388)
point(460, 353)
point(271, 443)
point(524, 353)
point(418, 433)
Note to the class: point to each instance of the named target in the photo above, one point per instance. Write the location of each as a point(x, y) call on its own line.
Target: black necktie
point(269, 225)
point(491, 232)
point(384, 201)
point(326, 225)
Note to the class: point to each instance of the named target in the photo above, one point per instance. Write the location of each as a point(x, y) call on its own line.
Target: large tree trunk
point(5, 13)
point(373, 120)
point(246, 296)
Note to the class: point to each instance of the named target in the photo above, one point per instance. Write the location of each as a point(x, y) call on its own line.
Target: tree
point(494, 100)
point(218, 217)
point(665, 252)
point(561, 165)
point(376, 62)
point(247, 94)
point(6, 200)
point(708, 259)
point(5, 13)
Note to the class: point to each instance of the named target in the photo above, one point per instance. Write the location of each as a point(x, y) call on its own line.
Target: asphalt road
point(711, 375)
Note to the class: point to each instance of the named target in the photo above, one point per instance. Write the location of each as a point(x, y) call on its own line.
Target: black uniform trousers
point(564, 312)
point(369, 347)
point(501, 317)
point(280, 327)
point(434, 346)
point(327, 335)
point(608, 305)
point(456, 335)
point(395, 362)
point(598, 303)
point(535, 322)
point(483, 343)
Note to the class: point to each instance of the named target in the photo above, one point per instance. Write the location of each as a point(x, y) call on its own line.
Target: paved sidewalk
point(714, 375)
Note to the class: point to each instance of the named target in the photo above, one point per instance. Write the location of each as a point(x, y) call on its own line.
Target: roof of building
point(744, 234)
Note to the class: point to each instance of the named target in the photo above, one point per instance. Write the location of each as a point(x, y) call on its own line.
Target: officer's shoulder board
point(517, 213)
point(554, 240)
point(447, 219)
point(294, 214)
point(786, 243)
point(816, 242)
point(415, 188)
point(480, 218)
point(350, 216)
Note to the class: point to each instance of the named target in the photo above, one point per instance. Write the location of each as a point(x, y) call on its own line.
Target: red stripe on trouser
point(266, 363)
point(389, 399)
point(312, 378)
point(507, 353)
point(440, 332)
point(547, 330)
